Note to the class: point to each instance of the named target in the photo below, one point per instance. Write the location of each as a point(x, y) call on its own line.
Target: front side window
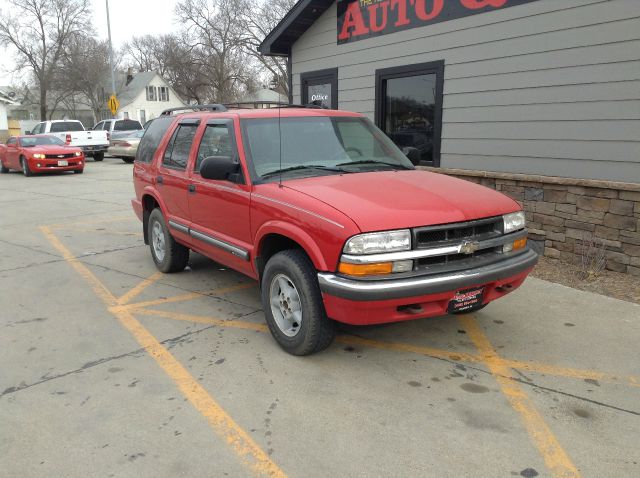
point(177, 153)
point(98, 126)
point(216, 141)
point(312, 146)
point(12, 141)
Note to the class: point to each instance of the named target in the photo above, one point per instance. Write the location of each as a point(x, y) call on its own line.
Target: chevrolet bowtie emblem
point(469, 247)
point(61, 155)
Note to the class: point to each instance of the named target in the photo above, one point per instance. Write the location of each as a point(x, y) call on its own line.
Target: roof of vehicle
point(61, 121)
point(269, 113)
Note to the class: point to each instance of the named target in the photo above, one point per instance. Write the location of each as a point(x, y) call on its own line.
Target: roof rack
point(211, 107)
point(270, 104)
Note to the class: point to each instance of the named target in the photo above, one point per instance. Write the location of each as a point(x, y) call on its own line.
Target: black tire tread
point(3, 169)
point(25, 167)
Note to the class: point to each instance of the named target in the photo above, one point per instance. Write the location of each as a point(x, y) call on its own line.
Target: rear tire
point(98, 157)
point(293, 305)
point(127, 160)
point(25, 167)
point(169, 255)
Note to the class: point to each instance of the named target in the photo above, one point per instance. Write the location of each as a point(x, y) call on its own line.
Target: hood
point(52, 149)
point(386, 200)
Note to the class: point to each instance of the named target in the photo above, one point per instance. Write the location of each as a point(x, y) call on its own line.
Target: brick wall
point(564, 215)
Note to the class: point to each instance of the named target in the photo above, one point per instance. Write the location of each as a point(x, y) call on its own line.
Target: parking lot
point(112, 369)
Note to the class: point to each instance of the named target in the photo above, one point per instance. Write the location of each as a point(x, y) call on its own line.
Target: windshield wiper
point(371, 161)
point(303, 166)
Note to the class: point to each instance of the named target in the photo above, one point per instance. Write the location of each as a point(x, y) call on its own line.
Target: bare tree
point(215, 38)
point(39, 31)
point(256, 21)
point(85, 67)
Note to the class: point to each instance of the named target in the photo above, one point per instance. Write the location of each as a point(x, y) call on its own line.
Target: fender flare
point(296, 234)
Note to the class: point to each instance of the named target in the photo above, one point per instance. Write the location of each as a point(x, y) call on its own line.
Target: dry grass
point(609, 283)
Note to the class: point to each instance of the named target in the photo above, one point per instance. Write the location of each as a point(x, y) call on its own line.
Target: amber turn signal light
point(520, 244)
point(381, 268)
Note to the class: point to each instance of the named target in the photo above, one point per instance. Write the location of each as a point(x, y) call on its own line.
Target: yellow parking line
point(137, 290)
point(403, 347)
point(239, 441)
point(191, 296)
point(545, 441)
point(234, 324)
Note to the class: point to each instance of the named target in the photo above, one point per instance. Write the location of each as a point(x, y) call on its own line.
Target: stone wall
point(573, 218)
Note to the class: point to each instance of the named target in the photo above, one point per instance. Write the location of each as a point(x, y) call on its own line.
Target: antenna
point(280, 143)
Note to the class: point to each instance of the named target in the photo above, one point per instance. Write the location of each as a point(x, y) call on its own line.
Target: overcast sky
point(128, 18)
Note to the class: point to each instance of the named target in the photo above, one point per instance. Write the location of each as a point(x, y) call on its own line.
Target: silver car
point(126, 147)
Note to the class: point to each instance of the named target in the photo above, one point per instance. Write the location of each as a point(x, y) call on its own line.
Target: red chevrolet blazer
point(328, 215)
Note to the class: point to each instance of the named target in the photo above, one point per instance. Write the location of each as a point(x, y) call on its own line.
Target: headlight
point(379, 242)
point(78, 153)
point(38, 156)
point(513, 221)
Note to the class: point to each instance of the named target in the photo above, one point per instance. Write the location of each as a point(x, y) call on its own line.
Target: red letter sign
point(401, 7)
point(353, 18)
point(373, 16)
point(421, 9)
point(476, 4)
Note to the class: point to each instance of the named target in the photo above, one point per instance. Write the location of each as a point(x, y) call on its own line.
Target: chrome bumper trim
point(360, 290)
point(431, 252)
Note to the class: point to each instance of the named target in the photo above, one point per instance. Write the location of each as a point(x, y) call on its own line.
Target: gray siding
point(551, 87)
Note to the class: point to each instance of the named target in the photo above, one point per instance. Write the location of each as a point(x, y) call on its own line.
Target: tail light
point(68, 139)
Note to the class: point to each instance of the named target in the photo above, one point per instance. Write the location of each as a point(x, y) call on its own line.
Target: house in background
point(142, 97)
point(146, 95)
point(5, 101)
point(265, 94)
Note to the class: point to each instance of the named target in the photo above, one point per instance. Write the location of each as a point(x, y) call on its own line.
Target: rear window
point(127, 125)
point(63, 126)
point(152, 137)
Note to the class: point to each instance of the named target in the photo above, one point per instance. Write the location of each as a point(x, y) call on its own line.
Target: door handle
point(159, 180)
point(192, 188)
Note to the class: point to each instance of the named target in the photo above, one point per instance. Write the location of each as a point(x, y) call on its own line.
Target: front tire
point(169, 255)
point(25, 167)
point(78, 171)
point(98, 157)
point(293, 305)
point(3, 168)
point(127, 160)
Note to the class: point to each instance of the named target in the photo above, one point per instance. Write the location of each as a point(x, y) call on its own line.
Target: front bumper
point(50, 165)
point(359, 290)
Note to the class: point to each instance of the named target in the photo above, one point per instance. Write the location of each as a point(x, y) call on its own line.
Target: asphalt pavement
point(111, 369)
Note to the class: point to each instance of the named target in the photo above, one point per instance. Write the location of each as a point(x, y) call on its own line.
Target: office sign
point(360, 19)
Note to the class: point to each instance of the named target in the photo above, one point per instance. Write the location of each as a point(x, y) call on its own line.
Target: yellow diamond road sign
point(113, 104)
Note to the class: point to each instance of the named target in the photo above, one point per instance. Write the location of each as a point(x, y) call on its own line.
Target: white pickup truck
point(93, 143)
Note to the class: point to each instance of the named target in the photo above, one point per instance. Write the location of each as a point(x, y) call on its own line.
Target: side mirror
point(27, 133)
point(413, 154)
point(219, 167)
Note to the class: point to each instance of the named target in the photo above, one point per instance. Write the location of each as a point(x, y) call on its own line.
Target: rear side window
point(64, 126)
point(127, 125)
point(177, 152)
point(152, 138)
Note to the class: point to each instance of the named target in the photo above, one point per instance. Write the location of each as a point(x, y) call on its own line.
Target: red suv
point(328, 215)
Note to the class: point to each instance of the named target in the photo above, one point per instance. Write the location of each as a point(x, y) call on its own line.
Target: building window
point(409, 107)
point(320, 88)
point(151, 93)
point(125, 114)
point(164, 93)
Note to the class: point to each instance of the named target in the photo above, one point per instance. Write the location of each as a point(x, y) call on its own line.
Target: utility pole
point(113, 79)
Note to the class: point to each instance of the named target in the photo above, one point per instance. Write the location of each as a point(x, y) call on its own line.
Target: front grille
point(445, 235)
point(55, 165)
point(60, 156)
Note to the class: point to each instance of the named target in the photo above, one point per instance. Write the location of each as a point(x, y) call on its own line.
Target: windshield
point(41, 141)
point(64, 126)
point(318, 145)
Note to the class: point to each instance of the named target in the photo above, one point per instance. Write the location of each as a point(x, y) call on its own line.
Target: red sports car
point(40, 154)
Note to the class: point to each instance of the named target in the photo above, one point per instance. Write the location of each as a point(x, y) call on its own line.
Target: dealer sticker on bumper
point(466, 299)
